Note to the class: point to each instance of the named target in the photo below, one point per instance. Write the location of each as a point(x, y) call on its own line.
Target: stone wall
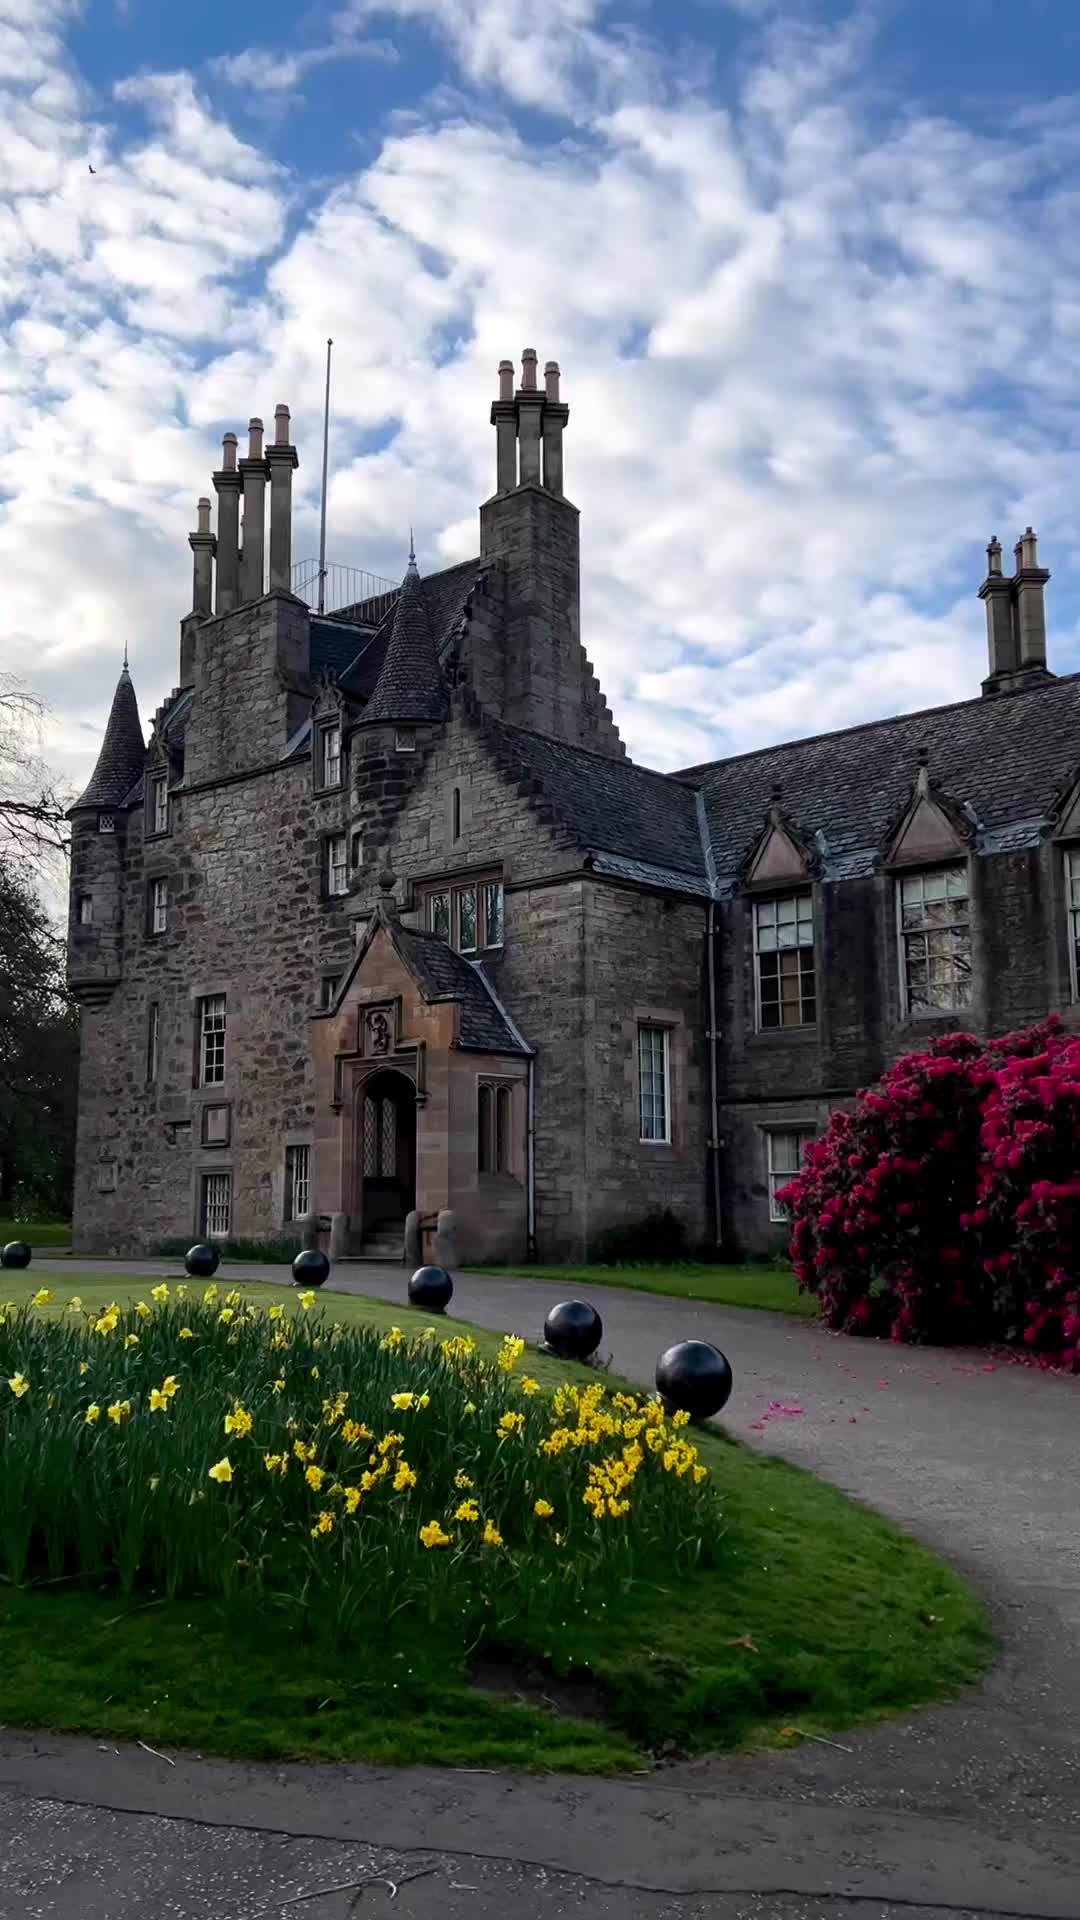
point(250, 671)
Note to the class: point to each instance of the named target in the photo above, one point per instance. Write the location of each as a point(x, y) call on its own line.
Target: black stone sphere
point(15, 1254)
point(695, 1378)
point(310, 1268)
point(573, 1330)
point(201, 1261)
point(430, 1289)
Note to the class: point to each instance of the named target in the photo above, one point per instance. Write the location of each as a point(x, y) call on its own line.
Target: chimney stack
point(504, 420)
point(530, 406)
point(281, 459)
point(253, 472)
point(529, 423)
point(554, 420)
point(1015, 618)
point(227, 484)
point(203, 546)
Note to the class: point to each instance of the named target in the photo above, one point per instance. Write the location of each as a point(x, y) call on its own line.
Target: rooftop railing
point(352, 589)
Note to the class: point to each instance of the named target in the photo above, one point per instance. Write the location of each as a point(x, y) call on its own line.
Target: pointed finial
point(412, 567)
point(125, 656)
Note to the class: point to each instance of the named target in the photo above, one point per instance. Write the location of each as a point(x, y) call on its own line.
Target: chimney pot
point(506, 379)
point(203, 510)
point(551, 379)
point(993, 555)
point(281, 424)
point(528, 369)
point(228, 453)
point(255, 439)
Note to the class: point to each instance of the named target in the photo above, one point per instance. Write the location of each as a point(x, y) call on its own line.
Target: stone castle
point(384, 921)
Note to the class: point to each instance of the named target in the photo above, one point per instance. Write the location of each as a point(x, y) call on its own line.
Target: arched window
point(494, 1127)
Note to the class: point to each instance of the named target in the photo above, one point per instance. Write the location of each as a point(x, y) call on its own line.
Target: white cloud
point(277, 73)
point(786, 322)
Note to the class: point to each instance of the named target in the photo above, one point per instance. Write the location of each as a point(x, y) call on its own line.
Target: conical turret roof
point(410, 688)
point(120, 762)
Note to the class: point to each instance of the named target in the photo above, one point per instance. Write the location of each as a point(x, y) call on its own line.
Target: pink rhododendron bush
point(946, 1207)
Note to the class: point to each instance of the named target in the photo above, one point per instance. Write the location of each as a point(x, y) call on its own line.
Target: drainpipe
point(714, 1072)
point(530, 1167)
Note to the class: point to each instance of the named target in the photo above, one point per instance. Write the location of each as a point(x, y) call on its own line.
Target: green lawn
point(822, 1614)
point(772, 1288)
point(36, 1233)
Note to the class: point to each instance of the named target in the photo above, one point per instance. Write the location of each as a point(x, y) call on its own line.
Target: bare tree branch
point(32, 808)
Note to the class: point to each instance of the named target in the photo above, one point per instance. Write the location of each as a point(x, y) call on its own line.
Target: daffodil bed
point(276, 1500)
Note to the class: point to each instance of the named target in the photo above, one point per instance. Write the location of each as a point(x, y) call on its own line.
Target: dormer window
point(330, 755)
point(106, 823)
point(934, 918)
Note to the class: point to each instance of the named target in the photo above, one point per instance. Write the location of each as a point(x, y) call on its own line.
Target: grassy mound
point(229, 1520)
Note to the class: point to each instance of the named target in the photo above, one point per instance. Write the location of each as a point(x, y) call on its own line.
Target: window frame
point(332, 866)
point(212, 1055)
point(159, 805)
point(404, 739)
point(900, 880)
point(1072, 917)
point(654, 1139)
point(776, 900)
point(158, 896)
point(453, 891)
point(293, 1183)
point(106, 823)
point(775, 1178)
point(218, 1180)
point(330, 767)
point(84, 910)
point(328, 990)
point(494, 1126)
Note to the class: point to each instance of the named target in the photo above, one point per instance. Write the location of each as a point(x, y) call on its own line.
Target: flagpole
point(325, 457)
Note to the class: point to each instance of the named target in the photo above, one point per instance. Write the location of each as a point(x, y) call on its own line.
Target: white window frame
point(159, 905)
point(159, 801)
point(1071, 862)
point(297, 1181)
point(337, 869)
point(215, 1205)
point(775, 901)
point(153, 1041)
point(923, 874)
point(330, 762)
point(653, 1027)
point(213, 1022)
point(778, 1177)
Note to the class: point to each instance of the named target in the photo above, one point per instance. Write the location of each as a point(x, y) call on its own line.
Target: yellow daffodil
point(315, 1373)
point(185, 1333)
point(75, 1304)
point(276, 1462)
point(131, 1339)
point(543, 1509)
point(403, 1401)
point(528, 1384)
point(93, 1415)
point(119, 1411)
point(232, 1298)
point(680, 1418)
point(433, 1536)
point(182, 1290)
point(276, 1312)
point(278, 1385)
point(280, 1340)
point(700, 1474)
point(154, 1482)
point(106, 1323)
point(221, 1471)
point(324, 1523)
point(354, 1430)
point(463, 1483)
point(307, 1300)
point(210, 1295)
point(491, 1535)
point(302, 1450)
point(395, 1338)
point(424, 1401)
point(19, 1385)
point(144, 1312)
point(470, 1406)
point(511, 1423)
point(41, 1298)
point(404, 1478)
point(315, 1476)
point(159, 1402)
point(160, 1293)
point(353, 1497)
point(239, 1421)
point(226, 1314)
point(389, 1441)
point(84, 1367)
point(467, 1511)
point(509, 1353)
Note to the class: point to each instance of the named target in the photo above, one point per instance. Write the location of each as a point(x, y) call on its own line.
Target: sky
point(811, 269)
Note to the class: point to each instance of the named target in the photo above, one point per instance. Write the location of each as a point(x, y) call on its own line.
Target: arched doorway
point(385, 1154)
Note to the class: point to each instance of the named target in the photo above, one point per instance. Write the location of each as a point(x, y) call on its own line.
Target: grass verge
point(821, 1614)
point(36, 1233)
point(771, 1288)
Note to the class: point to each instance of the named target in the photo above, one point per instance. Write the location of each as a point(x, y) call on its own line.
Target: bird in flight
point(93, 170)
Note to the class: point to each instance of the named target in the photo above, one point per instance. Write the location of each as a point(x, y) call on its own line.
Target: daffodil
point(433, 1536)
point(276, 1462)
point(185, 1333)
point(119, 1411)
point(543, 1509)
point(403, 1401)
point(315, 1476)
point(307, 1300)
point(41, 1298)
point(468, 1511)
point(107, 1323)
point(395, 1338)
point(470, 1406)
point(239, 1420)
point(463, 1483)
point(404, 1478)
point(221, 1471)
point(510, 1352)
point(276, 1312)
point(353, 1497)
point(491, 1535)
point(511, 1423)
point(154, 1482)
point(528, 1385)
point(19, 1385)
point(227, 1314)
point(159, 1402)
point(182, 1290)
point(144, 1312)
point(210, 1295)
point(232, 1298)
point(353, 1430)
point(324, 1523)
point(75, 1304)
point(278, 1385)
point(302, 1450)
point(93, 1415)
point(160, 1293)
point(84, 1368)
point(131, 1339)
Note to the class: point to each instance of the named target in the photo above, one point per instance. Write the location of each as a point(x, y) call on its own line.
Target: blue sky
point(811, 269)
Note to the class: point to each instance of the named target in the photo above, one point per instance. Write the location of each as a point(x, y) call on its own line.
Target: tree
point(32, 822)
point(39, 1051)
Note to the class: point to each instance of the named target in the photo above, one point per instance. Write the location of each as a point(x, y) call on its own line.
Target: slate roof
point(446, 975)
point(1008, 757)
point(610, 806)
point(334, 646)
point(120, 761)
point(410, 686)
point(444, 597)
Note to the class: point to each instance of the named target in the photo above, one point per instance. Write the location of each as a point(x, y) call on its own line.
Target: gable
point(1068, 822)
point(925, 833)
point(776, 858)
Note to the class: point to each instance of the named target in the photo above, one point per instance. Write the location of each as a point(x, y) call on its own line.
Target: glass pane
point(502, 1130)
point(466, 906)
point(493, 915)
point(956, 883)
point(483, 1129)
point(439, 914)
point(388, 1140)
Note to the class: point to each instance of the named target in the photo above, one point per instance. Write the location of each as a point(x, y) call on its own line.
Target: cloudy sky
point(811, 268)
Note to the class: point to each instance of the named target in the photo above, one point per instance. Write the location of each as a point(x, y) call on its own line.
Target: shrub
point(946, 1207)
point(280, 1249)
point(658, 1236)
point(201, 1445)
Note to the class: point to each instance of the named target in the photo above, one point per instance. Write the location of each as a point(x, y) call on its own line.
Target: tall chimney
point(504, 421)
point(530, 405)
point(281, 458)
point(1030, 581)
point(253, 472)
point(555, 417)
point(996, 593)
point(203, 545)
point(227, 485)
